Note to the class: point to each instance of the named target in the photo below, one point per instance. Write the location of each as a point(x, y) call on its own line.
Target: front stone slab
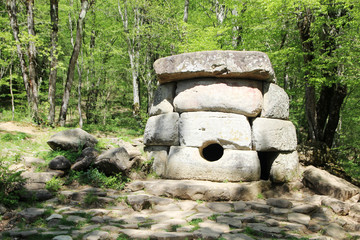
point(285, 167)
point(158, 155)
point(273, 135)
point(234, 165)
point(231, 131)
point(230, 96)
point(162, 130)
point(219, 64)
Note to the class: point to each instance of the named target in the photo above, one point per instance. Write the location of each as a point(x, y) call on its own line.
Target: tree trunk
point(33, 84)
point(11, 9)
point(54, 7)
point(79, 89)
point(186, 11)
point(12, 95)
point(72, 62)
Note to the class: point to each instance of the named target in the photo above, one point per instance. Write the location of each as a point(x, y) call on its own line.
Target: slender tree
point(54, 15)
point(85, 4)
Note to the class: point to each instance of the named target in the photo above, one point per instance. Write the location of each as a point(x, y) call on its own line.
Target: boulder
point(220, 64)
point(234, 165)
point(72, 140)
point(163, 99)
point(60, 163)
point(324, 183)
point(230, 96)
point(276, 102)
point(162, 130)
point(114, 161)
point(273, 135)
point(157, 154)
point(31, 214)
point(285, 167)
point(87, 157)
point(231, 131)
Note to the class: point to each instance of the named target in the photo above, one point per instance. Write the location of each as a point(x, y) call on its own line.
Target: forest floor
point(86, 212)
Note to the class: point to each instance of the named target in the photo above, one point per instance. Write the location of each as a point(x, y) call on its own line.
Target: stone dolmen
point(219, 116)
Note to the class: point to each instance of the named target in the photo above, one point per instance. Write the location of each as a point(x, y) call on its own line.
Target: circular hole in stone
point(212, 152)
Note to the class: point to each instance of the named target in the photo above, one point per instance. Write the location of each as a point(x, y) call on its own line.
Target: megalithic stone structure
point(219, 116)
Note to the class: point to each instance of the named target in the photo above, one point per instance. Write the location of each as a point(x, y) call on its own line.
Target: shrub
point(54, 184)
point(11, 184)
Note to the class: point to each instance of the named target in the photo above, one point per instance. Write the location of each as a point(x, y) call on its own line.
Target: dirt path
point(22, 127)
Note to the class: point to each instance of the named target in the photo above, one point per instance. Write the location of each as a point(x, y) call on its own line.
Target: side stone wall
point(213, 115)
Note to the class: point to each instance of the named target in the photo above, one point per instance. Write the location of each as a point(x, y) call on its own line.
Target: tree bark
point(12, 11)
point(12, 95)
point(186, 11)
point(54, 15)
point(71, 69)
point(33, 84)
point(133, 52)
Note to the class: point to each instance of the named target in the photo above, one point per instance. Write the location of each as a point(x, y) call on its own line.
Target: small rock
point(260, 207)
point(236, 236)
point(279, 202)
point(220, 207)
point(62, 237)
point(335, 231)
point(279, 211)
point(96, 235)
point(272, 223)
point(299, 218)
point(216, 227)
point(60, 163)
point(138, 202)
point(232, 222)
point(304, 208)
point(239, 206)
point(114, 161)
point(31, 214)
point(337, 206)
point(54, 216)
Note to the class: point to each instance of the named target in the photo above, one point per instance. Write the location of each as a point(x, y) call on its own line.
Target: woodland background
point(89, 63)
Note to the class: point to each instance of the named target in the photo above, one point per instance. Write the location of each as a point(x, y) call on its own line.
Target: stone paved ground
point(90, 213)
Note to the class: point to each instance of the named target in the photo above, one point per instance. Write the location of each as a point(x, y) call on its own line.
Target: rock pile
point(219, 116)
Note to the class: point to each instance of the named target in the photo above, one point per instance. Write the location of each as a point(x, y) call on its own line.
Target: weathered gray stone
point(265, 231)
point(72, 139)
point(157, 154)
point(96, 235)
point(54, 216)
point(114, 161)
point(219, 206)
point(205, 190)
point(32, 161)
point(279, 202)
point(62, 237)
point(279, 211)
point(273, 135)
point(232, 222)
point(236, 236)
point(31, 214)
point(234, 165)
point(276, 102)
point(299, 218)
point(231, 131)
point(60, 163)
point(38, 194)
point(162, 130)
point(304, 208)
point(260, 207)
point(335, 231)
point(163, 99)
point(324, 183)
point(339, 207)
point(23, 234)
point(87, 157)
point(229, 96)
point(355, 211)
point(220, 64)
point(138, 202)
point(171, 235)
point(285, 167)
point(240, 206)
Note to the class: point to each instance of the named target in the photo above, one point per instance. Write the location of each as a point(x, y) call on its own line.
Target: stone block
point(276, 102)
point(285, 167)
point(231, 131)
point(158, 154)
point(162, 130)
point(163, 99)
point(220, 64)
point(234, 165)
point(273, 135)
point(230, 96)
point(324, 183)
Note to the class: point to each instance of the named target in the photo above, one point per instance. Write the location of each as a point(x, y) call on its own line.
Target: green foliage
point(96, 178)
point(11, 184)
point(90, 199)
point(49, 155)
point(195, 222)
point(54, 184)
point(18, 136)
